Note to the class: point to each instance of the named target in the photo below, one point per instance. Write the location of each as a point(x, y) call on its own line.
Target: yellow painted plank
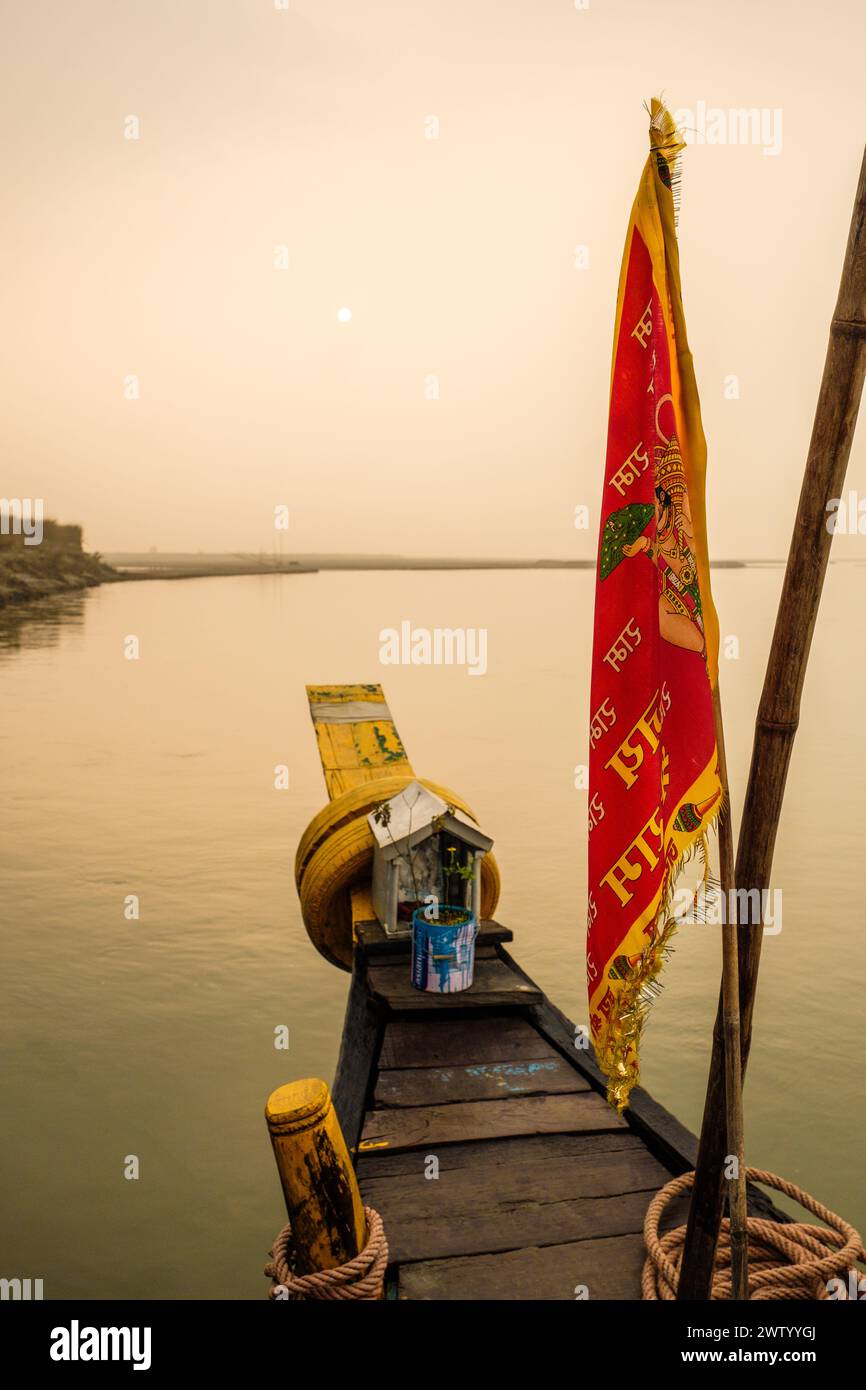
point(355, 750)
point(378, 744)
point(338, 782)
point(342, 694)
point(337, 746)
point(373, 745)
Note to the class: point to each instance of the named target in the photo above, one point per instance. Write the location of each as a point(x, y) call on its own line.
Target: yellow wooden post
point(319, 1184)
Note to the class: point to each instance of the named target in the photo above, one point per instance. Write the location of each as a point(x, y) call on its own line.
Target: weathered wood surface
point(495, 986)
point(543, 1202)
point(528, 1156)
point(452, 1042)
point(609, 1268)
point(534, 1190)
point(484, 1158)
point(509, 1227)
point(539, 1175)
point(489, 1119)
point(480, 1081)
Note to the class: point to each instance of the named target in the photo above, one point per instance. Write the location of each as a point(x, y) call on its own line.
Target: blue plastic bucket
point(443, 953)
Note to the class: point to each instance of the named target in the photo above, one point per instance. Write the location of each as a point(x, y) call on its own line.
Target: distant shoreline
point(130, 565)
point(27, 574)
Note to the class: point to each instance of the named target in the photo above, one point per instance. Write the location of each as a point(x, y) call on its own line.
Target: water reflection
point(39, 623)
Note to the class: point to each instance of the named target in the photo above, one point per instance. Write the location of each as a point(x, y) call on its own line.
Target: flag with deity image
point(654, 782)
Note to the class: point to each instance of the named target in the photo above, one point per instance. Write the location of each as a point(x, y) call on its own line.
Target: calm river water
point(155, 1037)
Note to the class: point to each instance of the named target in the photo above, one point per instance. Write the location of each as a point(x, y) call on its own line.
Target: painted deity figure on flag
point(680, 618)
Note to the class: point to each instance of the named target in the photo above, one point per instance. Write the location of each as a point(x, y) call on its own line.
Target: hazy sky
point(308, 127)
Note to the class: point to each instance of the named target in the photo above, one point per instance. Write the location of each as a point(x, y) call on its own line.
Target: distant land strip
point(44, 571)
point(189, 565)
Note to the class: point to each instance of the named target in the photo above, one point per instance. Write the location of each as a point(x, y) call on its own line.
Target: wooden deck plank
point(487, 1119)
point(481, 1081)
point(464, 1212)
point(609, 1268)
point(464, 1190)
point(495, 985)
point(516, 1226)
point(448, 1042)
point(485, 1158)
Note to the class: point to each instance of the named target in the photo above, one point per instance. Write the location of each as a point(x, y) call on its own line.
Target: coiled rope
point(362, 1277)
point(786, 1261)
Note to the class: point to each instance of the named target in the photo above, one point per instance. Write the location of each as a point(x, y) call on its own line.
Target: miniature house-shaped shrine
point(421, 844)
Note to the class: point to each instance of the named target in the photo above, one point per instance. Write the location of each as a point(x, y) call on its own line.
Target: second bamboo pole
point(778, 714)
point(737, 1200)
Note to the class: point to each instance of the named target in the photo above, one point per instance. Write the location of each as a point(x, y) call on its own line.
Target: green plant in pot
point(456, 875)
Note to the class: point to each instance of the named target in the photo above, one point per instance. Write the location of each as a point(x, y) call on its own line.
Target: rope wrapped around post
point(786, 1260)
point(360, 1278)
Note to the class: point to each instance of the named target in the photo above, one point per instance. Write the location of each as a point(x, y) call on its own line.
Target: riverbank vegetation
point(56, 566)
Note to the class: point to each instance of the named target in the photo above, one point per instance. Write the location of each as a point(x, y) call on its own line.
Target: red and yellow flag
point(654, 787)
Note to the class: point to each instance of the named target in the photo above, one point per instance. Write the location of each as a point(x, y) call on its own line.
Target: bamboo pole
point(731, 1029)
point(779, 712)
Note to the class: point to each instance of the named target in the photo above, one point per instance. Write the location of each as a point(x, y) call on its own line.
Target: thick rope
point(363, 1277)
point(786, 1261)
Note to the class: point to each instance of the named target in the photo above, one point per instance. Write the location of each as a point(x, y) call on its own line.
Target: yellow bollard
point(319, 1184)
